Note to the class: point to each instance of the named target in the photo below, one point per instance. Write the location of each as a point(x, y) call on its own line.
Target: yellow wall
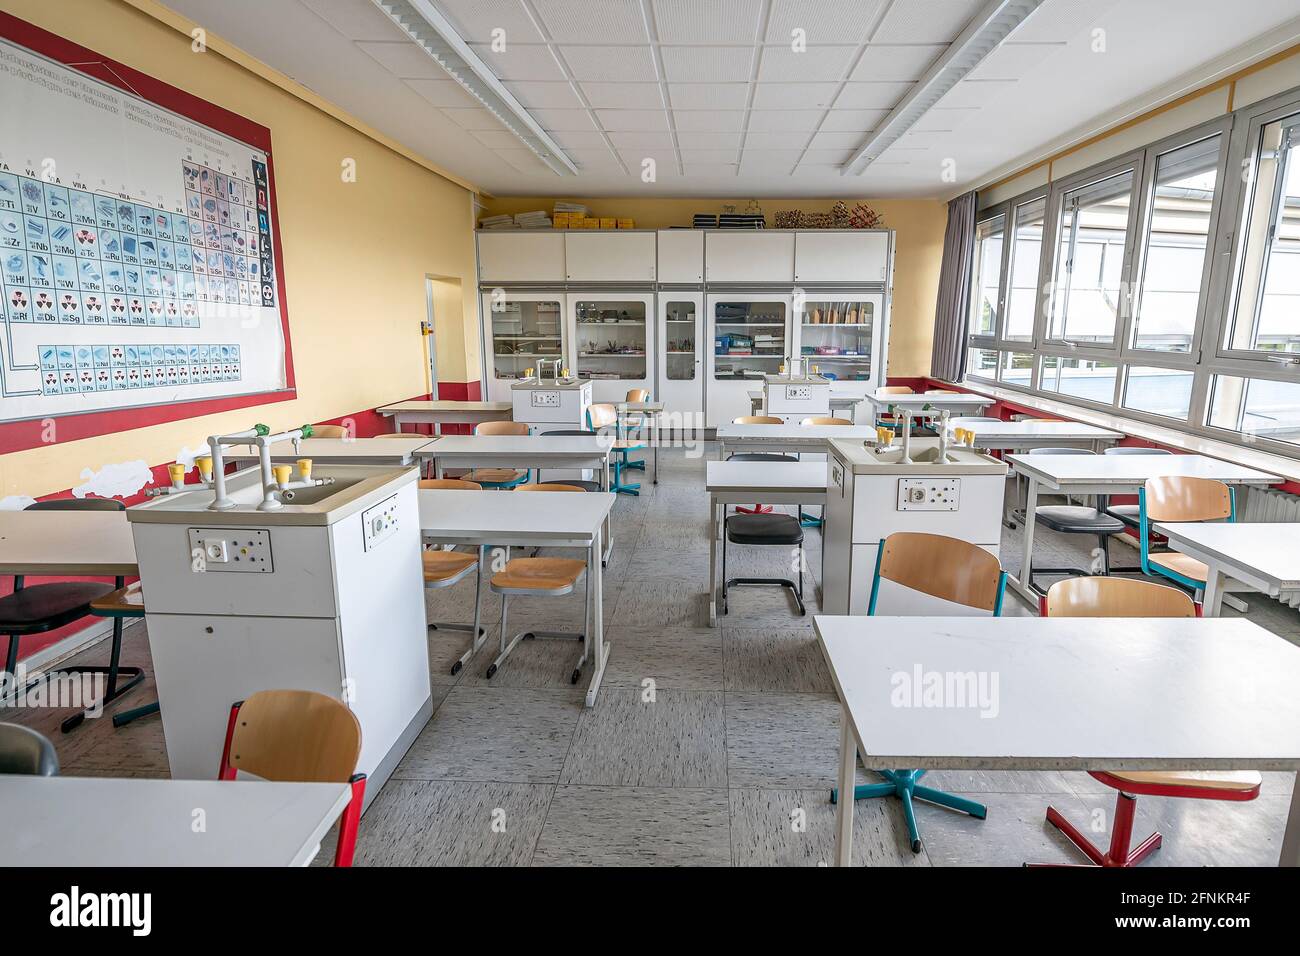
point(354, 255)
point(919, 224)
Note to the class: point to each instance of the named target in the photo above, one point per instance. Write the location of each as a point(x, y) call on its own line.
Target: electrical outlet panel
point(542, 399)
point(379, 523)
point(929, 494)
point(231, 549)
point(797, 393)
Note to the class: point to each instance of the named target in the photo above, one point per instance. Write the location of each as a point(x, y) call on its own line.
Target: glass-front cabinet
point(612, 339)
point(838, 336)
point(681, 361)
point(526, 328)
point(750, 339)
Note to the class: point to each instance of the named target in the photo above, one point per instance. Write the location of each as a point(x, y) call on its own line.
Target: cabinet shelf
point(611, 355)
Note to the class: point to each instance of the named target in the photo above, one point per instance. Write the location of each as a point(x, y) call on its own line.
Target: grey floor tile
point(442, 823)
point(673, 738)
point(675, 658)
point(783, 741)
point(1015, 831)
point(787, 660)
point(635, 826)
point(509, 734)
point(797, 828)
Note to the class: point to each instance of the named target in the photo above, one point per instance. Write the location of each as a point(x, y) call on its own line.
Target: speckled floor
point(706, 746)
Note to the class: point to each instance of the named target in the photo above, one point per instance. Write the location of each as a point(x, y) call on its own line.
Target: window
point(1086, 279)
point(1085, 378)
point(1022, 280)
point(1159, 391)
point(1173, 261)
point(611, 340)
point(679, 325)
point(1257, 407)
point(1016, 368)
point(982, 363)
point(1268, 297)
point(985, 276)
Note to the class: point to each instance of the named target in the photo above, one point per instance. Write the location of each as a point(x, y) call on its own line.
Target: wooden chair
point(1118, 597)
point(826, 420)
point(126, 604)
point(298, 736)
point(541, 577)
point(1179, 498)
point(758, 420)
point(604, 415)
point(893, 421)
point(550, 486)
point(442, 569)
point(955, 571)
point(635, 420)
point(1128, 513)
point(1075, 519)
point(400, 435)
point(329, 431)
point(501, 478)
point(585, 484)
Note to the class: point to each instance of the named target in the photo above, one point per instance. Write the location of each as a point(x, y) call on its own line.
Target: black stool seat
point(1072, 519)
point(575, 483)
point(1128, 514)
point(44, 607)
point(764, 529)
point(761, 456)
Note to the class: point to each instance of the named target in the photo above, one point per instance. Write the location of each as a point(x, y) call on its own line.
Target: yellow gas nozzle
point(304, 468)
point(282, 473)
point(177, 473)
point(204, 465)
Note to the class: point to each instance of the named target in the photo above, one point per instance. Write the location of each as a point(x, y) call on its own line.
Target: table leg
point(600, 649)
point(1290, 855)
point(1021, 583)
point(655, 439)
point(1215, 582)
point(844, 803)
point(609, 518)
point(713, 562)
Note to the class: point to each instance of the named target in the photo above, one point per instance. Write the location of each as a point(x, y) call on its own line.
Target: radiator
point(1267, 505)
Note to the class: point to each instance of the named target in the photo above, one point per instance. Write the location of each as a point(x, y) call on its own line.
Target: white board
point(137, 261)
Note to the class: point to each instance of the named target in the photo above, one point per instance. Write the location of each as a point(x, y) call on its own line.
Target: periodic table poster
point(138, 262)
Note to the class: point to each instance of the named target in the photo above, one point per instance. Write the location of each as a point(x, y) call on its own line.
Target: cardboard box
point(608, 222)
point(627, 224)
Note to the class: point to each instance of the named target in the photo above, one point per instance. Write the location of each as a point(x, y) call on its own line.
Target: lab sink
point(317, 494)
point(865, 458)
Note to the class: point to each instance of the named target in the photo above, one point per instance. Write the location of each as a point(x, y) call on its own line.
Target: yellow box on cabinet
point(627, 224)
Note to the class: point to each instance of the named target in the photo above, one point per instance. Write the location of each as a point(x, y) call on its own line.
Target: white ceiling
point(713, 93)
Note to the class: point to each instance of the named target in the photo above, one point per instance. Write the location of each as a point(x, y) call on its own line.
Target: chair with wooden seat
point(1180, 498)
point(541, 577)
point(298, 736)
point(603, 415)
point(967, 580)
point(1075, 519)
point(127, 604)
point(329, 431)
point(550, 486)
point(586, 484)
point(826, 420)
point(399, 435)
point(1128, 513)
point(894, 421)
point(24, 751)
point(442, 569)
point(42, 608)
point(1121, 597)
point(635, 420)
point(499, 478)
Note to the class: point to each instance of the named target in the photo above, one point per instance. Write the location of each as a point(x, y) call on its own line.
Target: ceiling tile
point(707, 64)
point(545, 95)
point(476, 19)
point(689, 139)
point(524, 160)
point(614, 64)
point(664, 158)
point(719, 157)
point(762, 139)
point(781, 64)
point(577, 21)
point(871, 96)
point(562, 120)
point(592, 157)
point(710, 170)
point(897, 61)
point(1013, 60)
point(356, 21)
point(774, 159)
point(705, 96)
point(709, 121)
point(826, 21)
point(778, 120)
point(443, 93)
point(689, 21)
point(826, 139)
point(826, 157)
point(853, 120)
point(623, 95)
point(642, 139)
point(816, 170)
point(404, 59)
point(472, 119)
point(496, 138)
point(579, 139)
point(632, 119)
point(976, 92)
point(520, 61)
point(778, 96)
point(931, 21)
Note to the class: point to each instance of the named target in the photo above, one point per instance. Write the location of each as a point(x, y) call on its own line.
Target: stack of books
point(497, 222)
point(538, 219)
point(571, 207)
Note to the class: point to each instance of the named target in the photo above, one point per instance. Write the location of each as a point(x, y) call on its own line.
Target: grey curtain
point(948, 354)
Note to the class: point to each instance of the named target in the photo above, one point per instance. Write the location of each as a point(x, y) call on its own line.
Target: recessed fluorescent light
point(422, 22)
point(987, 30)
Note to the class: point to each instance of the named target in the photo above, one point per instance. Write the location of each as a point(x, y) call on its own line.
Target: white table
point(649, 413)
point(442, 412)
point(786, 438)
point(67, 543)
point(117, 822)
point(1262, 555)
point(1072, 694)
point(915, 403)
point(338, 451)
point(1109, 475)
point(532, 452)
point(513, 519)
point(840, 401)
point(1019, 436)
point(771, 482)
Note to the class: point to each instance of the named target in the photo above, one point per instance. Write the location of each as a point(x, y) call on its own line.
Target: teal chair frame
point(903, 783)
point(621, 464)
point(1154, 568)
